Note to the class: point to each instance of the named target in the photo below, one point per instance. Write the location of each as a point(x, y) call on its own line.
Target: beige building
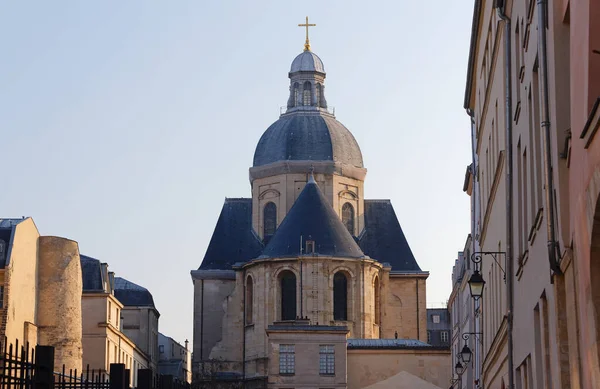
point(139, 318)
point(465, 322)
point(296, 274)
point(103, 340)
point(40, 291)
point(174, 358)
point(533, 236)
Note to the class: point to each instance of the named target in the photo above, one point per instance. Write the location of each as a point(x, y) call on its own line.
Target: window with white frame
point(436, 319)
point(444, 336)
point(287, 359)
point(326, 359)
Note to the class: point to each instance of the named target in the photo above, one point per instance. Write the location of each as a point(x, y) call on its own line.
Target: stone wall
point(405, 308)
point(367, 367)
point(59, 303)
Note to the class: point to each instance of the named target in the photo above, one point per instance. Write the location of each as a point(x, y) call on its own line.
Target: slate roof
point(312, 218)
point(6, 229)
point(307, 136)
point(233, 239)
point(132, 295)
point(383, 239)
point(307, 61)
point(91, 274)
point(386, 344)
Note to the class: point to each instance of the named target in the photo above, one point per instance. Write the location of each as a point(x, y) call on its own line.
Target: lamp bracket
point(477, 257)
point(467, 335)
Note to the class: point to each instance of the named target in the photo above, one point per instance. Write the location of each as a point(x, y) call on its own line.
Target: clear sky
point(125, 124)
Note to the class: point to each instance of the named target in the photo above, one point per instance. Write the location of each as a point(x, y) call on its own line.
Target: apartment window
point(109, 310)
point(444, 336)
point(161, 348)
point(326, 359)
point(287, 359)
point(1, 297)
point(429, 337)
point(436, 319)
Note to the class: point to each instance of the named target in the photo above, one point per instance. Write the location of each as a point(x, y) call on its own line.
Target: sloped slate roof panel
point(91, 273)
point(132, 295)
point(383, 238)
point(233, 239)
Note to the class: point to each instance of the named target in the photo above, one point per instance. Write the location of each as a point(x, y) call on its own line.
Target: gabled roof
point(132, 295)
point(312, 218)
point(233, 239)
point(383, 238)
point(91, 273)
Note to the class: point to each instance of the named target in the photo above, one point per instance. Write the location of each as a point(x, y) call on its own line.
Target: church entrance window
point(307, 94)
point(269, 220)
point(348, 217)
point(249, 300)
point(288, 295)
point(340, 296)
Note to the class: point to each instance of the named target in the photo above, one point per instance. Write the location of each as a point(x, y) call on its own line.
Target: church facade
point(307, 283)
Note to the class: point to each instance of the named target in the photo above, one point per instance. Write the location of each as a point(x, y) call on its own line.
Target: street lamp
point(459, 369)
point(466, 354)
point(476, 284)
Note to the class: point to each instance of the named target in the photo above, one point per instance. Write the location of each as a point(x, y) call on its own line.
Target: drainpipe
point(545, 122)
point(474, 168)
point(202, 324)
point(418, 320)
point(500, 8)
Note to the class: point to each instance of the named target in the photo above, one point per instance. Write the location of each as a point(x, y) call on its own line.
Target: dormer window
point(310, 247)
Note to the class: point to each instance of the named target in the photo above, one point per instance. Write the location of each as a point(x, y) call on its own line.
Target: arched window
point(296, 94)
point(288, 295)
point(269, 220)
point(318, 95)
point(348, 217)
point(376, 300)
point(249, 300)
point(307, 94)
point(340, 296)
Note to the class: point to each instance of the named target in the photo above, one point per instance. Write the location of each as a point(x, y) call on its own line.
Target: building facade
point(464, 318)
point(533, 81)
point(439, 327)
point(40, 291)
point(103, 340)
point(295, 274)
point(174, 358)
point(139, 319)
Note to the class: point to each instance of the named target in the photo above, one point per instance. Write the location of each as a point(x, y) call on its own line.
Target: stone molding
point(320, 167)
point(213, 274)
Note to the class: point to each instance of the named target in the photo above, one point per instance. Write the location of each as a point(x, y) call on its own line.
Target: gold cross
point(307, 43)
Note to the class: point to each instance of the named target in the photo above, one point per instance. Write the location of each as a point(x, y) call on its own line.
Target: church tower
point(307, 263)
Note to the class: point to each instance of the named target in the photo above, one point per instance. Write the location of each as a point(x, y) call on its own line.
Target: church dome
point(304, 136)
point(307, 61)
